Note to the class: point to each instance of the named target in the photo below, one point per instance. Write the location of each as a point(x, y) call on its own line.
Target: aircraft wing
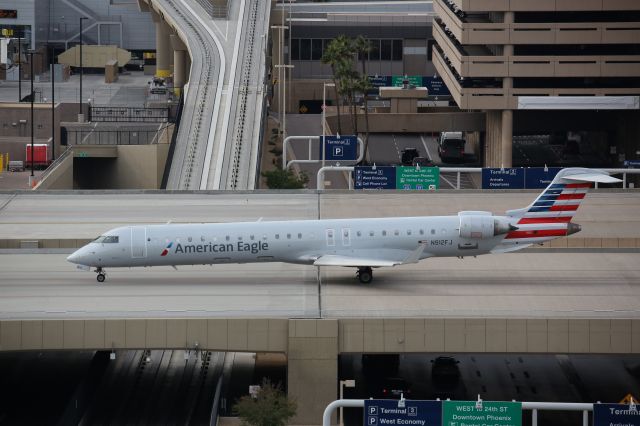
point(339, 260)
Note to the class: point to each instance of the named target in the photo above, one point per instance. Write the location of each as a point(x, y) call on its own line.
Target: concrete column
point(163, 48)
point(179, 63)
point(506, 136)
point(312, 368)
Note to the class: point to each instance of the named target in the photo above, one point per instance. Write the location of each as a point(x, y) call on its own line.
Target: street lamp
point(284, 98)
point(31, 97)
point(324, 116)
point(53, 105)
point(82, 18)
point(343, 384)
point(20, 67)
point(280, 64)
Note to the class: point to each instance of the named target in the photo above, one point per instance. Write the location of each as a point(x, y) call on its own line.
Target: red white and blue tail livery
point(549, 216)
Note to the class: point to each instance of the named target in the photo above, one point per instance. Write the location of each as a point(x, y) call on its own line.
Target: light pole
point(31, 97)
point(343, 384)
point(53, 105)
point(280, 65)
point(284, 99)
point(19, 67)
point(82, 18)
point(324, 116)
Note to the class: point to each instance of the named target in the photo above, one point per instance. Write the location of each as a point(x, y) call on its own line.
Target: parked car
point(394, 388)
point(451, 147)
point(407, 156)
point(15, 166)
point(422, 162)
point(444, 370)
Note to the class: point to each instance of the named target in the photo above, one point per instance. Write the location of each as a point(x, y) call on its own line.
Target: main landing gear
point(101, 275)
point(365, 274)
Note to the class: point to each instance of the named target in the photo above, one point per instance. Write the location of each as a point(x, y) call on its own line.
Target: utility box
point(40, 157)
point(111, 71)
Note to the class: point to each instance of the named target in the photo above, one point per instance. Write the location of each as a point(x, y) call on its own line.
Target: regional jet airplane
point(360, 243)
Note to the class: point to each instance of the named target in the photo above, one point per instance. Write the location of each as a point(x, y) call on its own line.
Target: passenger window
point(371, 233)
point(264, 237)
point(299, 236)
point(396, 232)
point(408, 231)
point(277, 236)
point(288, 236)
point(251, 237)
point(422, 232)
point(202, 238)
point(227, 238)
point(190, 239)
point(239, 238)
point(433, 232)
point(384, 233)
point(444, 231)
point(359, 234)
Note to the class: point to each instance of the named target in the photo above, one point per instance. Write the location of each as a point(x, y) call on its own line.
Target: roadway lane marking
point(426, 148)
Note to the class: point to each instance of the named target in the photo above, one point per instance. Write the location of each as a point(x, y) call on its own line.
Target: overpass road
point(519, 285)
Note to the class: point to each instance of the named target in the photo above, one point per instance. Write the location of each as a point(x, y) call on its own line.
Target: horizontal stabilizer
point(337, 260)
point(592, 177)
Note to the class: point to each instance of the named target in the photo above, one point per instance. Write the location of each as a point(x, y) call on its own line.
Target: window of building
point(305, 49)
point(385, 50)
point(397, 50)
point(316, 49)
point(374, 53)
point(295, 49)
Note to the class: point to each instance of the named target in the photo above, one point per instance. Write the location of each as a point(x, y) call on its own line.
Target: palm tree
point(335, 55)
point(348, 87)
point(363, 85)
point(363, 47)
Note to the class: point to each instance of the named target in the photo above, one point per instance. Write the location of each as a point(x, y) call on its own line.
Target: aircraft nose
point(74, 257)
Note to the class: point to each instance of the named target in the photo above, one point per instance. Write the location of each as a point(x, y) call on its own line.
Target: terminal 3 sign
point(441, 413)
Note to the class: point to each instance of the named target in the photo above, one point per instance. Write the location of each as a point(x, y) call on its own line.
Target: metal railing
point(45, 174)
point(459, 170)
point(585, 408)
point(110, 114)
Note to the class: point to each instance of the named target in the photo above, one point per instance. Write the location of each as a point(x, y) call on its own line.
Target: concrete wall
point(139, 166)
point(313, 345)
point(12, 113)
point(415, 123)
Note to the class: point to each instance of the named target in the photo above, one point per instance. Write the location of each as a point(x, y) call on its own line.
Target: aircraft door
point(331, 238)
point(138, 241)
point(346, 237)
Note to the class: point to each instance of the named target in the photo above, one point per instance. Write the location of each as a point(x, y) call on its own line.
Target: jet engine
point(481, 225)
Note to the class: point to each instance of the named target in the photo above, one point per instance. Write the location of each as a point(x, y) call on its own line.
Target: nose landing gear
point(101, 275)
point(365, 274)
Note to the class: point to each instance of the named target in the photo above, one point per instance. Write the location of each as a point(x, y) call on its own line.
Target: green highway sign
point(490, 413)
point(417, 178)
point(414, 80)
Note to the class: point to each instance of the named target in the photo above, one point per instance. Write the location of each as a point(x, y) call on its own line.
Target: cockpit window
point(106, 239)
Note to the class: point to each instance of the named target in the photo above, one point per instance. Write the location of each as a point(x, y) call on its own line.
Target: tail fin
point(549, 216)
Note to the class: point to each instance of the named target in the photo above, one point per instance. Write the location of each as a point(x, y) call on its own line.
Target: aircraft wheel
point(101, 277)
point(365, 275)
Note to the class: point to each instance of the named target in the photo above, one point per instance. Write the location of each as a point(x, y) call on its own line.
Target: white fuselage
point(298, 241)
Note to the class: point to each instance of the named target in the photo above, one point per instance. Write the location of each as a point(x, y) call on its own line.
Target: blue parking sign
point(339, 148)
point(412, 412)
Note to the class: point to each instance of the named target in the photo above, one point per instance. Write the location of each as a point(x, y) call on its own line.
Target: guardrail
point(53, 165)
point(585, 408)
point(458, 171)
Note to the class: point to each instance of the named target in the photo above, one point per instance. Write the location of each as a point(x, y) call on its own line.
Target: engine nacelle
point(481, 225)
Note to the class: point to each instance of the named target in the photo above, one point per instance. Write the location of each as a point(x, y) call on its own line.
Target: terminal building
point(543, 66)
